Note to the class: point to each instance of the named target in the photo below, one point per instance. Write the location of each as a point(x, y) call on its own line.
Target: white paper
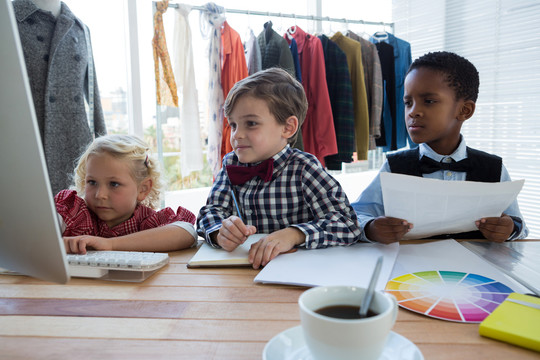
point(437, 207)
point(339, 265)
point(447, 255)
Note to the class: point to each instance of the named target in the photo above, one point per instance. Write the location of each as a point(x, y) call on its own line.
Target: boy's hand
point(497, 229)
point(387, 230)
point(78, 244)
point(274, 244)
point(233, 232)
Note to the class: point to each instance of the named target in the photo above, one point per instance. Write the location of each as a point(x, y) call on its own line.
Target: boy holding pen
point(280, 191)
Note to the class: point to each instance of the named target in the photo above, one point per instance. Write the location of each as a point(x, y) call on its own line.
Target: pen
point(236, 205)
point(371, 287)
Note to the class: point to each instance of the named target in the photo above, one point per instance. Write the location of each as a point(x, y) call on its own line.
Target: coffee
point(343, 311)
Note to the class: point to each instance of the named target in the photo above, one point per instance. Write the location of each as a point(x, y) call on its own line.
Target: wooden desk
point(182, 313)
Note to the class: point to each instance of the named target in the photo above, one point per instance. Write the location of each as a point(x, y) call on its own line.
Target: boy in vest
point(441, 89)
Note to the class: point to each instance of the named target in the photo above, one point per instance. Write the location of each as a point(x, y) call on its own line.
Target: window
point(501, 39)
point(110, 53)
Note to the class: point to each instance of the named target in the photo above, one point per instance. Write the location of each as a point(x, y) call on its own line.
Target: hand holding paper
point(437, 207)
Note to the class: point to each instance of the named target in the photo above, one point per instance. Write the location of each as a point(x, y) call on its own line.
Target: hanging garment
point(253, 54)
point(275, 50)
point(374, 86)
point(190, 134)
point(57, 63)
point(296, 60)
point(165, 85)
point(318, 133)
point(353, 50)
point(299, 143)
point(234, 69)
point(402, 61)
point(388, 124)
point(338, 80)
point(211, 19)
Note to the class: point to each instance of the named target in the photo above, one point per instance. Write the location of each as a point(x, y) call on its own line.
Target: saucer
point(290, 345)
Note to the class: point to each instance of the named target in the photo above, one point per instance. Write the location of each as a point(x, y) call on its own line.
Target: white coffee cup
point(331, 338)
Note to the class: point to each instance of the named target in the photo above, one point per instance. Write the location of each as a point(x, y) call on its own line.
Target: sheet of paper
point(437, 207)
point(447, 255)
point(339, 265)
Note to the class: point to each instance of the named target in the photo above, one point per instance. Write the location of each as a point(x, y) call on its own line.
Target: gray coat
point(56, 59)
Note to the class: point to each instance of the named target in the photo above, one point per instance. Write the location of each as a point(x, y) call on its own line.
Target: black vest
point(485, 168)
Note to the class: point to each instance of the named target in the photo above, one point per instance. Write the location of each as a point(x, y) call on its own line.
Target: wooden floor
point(182, 313)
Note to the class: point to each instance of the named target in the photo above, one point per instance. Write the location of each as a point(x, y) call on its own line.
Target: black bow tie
point(428, 165)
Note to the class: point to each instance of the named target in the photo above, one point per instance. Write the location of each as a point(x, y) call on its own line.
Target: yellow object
point(515, 321)
point(166, 92)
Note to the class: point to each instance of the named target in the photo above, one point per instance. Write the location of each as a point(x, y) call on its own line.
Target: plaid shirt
point(301, 194)
point(80, 220)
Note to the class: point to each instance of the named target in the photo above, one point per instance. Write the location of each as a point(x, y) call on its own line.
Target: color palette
point(448, 295)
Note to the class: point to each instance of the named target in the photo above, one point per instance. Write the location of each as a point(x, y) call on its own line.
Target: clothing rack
point(295, 16)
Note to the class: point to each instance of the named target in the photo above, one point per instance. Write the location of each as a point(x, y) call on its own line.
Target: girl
point(121, 188)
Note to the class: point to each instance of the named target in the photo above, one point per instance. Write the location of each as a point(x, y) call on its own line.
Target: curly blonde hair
point(128, 148)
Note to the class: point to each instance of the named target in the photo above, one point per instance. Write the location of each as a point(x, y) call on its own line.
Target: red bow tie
point(242, 174)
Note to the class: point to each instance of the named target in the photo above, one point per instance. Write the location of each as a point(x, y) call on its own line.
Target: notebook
point(334, 265)
point(208, 256)
point(515, 321)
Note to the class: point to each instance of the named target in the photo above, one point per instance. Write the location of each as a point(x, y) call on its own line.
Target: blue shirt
point(370, 203)
point(301, 194)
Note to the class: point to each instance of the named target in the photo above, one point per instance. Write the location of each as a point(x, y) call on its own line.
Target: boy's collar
point(459, 154)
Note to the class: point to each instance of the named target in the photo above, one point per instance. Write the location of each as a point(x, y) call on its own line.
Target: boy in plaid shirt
point(280, 191)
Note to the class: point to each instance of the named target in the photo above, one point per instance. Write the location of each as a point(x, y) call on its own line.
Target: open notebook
point(207, 256)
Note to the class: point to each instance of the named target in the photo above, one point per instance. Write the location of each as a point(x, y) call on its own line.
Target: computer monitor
point(30, 237)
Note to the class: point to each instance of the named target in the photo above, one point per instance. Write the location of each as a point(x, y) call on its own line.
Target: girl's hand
point(79, 244)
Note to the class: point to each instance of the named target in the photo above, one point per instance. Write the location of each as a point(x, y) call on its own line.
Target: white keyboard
point(98, 263)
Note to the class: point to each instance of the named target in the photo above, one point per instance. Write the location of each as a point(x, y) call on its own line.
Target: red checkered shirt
point(80, 220)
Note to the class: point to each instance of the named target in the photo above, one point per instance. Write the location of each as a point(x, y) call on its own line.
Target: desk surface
point(186, 313)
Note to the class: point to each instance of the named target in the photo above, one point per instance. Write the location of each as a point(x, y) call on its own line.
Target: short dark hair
point(460, 74)
point(283, 94)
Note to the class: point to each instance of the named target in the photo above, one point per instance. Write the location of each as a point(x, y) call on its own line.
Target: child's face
point(110, 190)
point(432, 113)
point(255, 133)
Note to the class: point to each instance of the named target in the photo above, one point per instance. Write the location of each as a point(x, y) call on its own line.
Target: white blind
point(502, 39)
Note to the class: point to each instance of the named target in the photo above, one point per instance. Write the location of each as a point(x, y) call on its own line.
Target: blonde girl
point(113, 206)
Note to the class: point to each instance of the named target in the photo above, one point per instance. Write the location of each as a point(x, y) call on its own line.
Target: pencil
point(236, 205)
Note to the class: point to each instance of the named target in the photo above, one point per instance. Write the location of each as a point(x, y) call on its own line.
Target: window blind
point(502, 39)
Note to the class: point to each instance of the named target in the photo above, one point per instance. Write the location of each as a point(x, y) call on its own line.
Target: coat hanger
point(279, 29)
point(381, 35)
point(249, 30)
point(330, 31)
point(292, 30)
point(363, 32)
